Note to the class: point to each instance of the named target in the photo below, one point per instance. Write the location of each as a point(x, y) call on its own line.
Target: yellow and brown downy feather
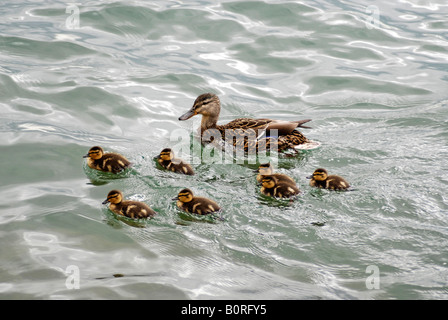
point(107, 162)
point(266, 169)
point(128, 208)
point(187, 202)
point(321, 179)
point(167, 160)
point(251, 135)
point(273, 187)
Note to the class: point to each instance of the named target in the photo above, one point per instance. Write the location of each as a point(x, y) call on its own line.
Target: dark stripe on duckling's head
point(95, 153)
point(185, 195)
point(114, 196)
point(268, 182)
point(166, 154)
point(320, 174)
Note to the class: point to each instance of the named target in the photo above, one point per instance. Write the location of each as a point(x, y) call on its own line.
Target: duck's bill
point(105, 201)
point(86, 156)
point(186, 115)
point(176, 198)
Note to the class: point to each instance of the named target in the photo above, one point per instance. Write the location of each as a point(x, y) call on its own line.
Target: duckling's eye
point(112, 197)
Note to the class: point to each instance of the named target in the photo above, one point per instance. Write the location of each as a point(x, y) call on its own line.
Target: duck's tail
point(301, 122)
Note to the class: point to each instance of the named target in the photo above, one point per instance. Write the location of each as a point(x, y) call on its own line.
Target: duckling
point(107, 162)
point(250, 134)
point(128, 208)
point(167, 160)
point(274, 187)
point(321, 179)
point(188, 202)
point(267, 169)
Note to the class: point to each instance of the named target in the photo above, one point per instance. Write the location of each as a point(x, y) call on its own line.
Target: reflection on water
point(371, 77)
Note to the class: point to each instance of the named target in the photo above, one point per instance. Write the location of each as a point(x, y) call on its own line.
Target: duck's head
point(265, 169)
point(269, 182)
point(166, 154)
point(207, 104)
point(320, 174)
point(114, 196)
point(185, 195)
point(95, 153)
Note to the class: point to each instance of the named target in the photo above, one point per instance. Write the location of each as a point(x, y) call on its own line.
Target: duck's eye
point(203, 102)
point(199, 106)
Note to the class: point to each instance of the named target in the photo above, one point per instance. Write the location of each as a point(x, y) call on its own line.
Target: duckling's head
point(185, 195)
point(114, 196)
point(166, 154)
point(265, 169)
point(207, 104)
point(269, 182)
point(320, 174)
point(95, 153)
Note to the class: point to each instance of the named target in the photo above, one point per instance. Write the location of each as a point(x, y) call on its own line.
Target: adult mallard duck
point(187, 202)
point(266, 169)
point(273, 187)
point(108, 162)
point(128, 208)
point(252, 135)
point(321, 179)
point(167, 160)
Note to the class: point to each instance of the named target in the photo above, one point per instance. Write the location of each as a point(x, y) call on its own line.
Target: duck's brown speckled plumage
point(321, 179)
point(107, 162)
point(167, 160)
point(251, 135)
point(187, 202)
point(128, 208)
point(273, 187)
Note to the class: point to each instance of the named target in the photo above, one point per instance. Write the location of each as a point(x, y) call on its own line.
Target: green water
point(122, 74)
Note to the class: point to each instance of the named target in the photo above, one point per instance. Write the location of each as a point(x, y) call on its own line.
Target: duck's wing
point(282, 127)
point(286, 127)
point(247, 123)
